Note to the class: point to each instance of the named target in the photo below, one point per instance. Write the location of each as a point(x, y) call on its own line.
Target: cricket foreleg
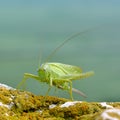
point(49, 86)
point(27, 76)
point(48, 90)
point(50, 82)
point(70, 89)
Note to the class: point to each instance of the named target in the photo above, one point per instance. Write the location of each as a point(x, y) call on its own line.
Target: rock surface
point(23, 105)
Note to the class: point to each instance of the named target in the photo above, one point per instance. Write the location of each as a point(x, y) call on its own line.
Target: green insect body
point(58, 75)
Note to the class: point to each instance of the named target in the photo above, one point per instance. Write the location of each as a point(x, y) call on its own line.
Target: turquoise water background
point(31, 30)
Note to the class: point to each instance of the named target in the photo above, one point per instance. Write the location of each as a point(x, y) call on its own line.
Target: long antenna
point(40, 58)
point(65, 41)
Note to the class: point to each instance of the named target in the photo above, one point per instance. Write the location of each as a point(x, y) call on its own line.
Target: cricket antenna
point(65, 41)
point(40, 59)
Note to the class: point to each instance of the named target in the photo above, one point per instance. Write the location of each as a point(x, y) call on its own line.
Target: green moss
point(22, 105)
point(5, 96)
point(72, 111)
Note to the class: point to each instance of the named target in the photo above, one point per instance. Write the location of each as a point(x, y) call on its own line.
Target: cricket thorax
point(49, 71)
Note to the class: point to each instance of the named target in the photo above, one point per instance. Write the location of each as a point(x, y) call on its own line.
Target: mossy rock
point(23, 105)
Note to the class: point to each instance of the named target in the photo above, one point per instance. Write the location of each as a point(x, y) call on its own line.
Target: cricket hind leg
point(70, 90)
point(60, 83)
point(50, 86)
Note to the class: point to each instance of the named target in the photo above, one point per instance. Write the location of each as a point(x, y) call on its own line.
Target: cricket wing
point(64, 69)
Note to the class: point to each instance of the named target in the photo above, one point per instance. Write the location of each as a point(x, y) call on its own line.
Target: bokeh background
point(31, 30)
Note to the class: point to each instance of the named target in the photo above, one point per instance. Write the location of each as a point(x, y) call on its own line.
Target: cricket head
point(42, 72)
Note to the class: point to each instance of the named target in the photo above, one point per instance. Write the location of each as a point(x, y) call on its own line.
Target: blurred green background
point(31, 30)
